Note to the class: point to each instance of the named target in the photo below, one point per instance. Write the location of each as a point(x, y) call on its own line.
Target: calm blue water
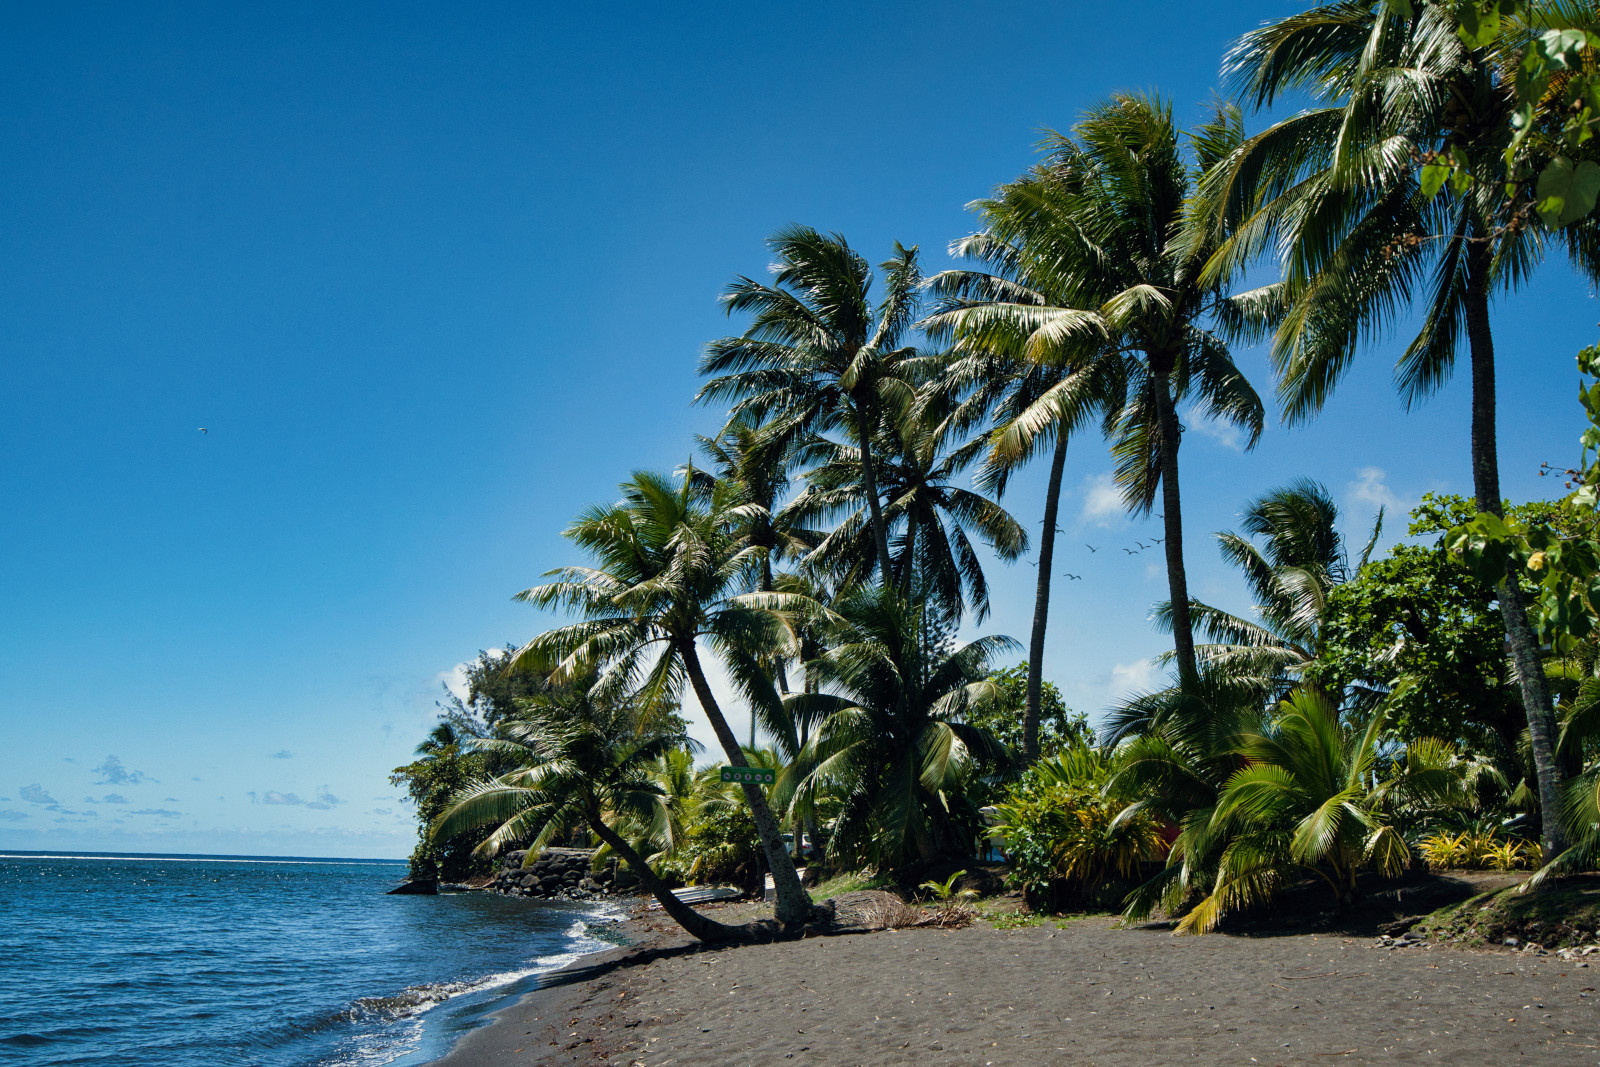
point(207, 962)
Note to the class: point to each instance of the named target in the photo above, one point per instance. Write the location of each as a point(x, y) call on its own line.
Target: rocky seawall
point(557, 874)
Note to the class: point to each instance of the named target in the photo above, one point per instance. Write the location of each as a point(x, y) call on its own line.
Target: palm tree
point(579, 757)
point(927, 514)
point(1336, 186)
point(671, 573)
point(1028, 357)
point(1290, 576)
point(819, 356)
point(1302, 802)
point(743, 456)
point(1119, 214)
point(1176, 750)
point(891, 738)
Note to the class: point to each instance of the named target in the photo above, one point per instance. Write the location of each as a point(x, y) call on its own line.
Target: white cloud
point(282, 753)
point(1140, 676)
point(1102, 501)
point(455, 679)
point(1370, 488)
point(1224, 433)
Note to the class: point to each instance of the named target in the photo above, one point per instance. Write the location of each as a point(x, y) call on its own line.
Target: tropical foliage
point(820, 570)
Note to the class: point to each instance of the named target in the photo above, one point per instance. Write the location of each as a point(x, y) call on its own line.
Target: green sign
point(753, 775)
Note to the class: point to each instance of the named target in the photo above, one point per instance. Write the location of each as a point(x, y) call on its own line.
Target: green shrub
point(720, 845)
point(1063, 834)
point(1480, 850)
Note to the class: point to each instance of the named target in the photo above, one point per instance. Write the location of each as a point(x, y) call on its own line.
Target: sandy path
point(1082, 994)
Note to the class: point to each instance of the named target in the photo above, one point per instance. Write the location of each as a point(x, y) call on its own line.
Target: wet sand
point(1080, 994)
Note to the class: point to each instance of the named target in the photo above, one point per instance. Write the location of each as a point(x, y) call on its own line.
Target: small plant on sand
point(946, 892)
point(948, 905)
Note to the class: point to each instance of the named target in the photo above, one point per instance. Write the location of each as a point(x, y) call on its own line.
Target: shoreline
point(1075, 992)
point(642, 936)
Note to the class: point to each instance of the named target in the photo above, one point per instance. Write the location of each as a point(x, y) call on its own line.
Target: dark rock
point(426, 887)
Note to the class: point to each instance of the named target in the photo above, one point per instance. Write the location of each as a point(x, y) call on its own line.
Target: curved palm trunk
point(1177, 577)
point(794, 903)
point(869, 486)
point(1524, 643)
point(692, 921)
point(1041, 602)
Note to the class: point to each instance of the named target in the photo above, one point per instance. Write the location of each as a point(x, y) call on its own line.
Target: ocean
point(206, 961)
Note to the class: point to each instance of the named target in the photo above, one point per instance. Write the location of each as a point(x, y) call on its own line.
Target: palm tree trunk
point(794, 903)
point(692, 921)
point(1172, 515)
point(1524, 643)
point(779, 674)
point(1041, 602)
point(869, 486)
point(911, 555)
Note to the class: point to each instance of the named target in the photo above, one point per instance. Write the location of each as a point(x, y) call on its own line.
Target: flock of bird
point(1140, 547)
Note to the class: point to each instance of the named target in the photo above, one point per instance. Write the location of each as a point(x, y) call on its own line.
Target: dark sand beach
point(1081, 993)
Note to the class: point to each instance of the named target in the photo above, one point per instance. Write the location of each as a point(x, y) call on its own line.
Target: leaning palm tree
point(672, 573)
point(819, 355)
point(1336, 187)
point(891, 738)
point(1290, 576)
point(579, 757)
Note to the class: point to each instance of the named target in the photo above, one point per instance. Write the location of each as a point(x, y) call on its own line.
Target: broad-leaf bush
point(1062, 830)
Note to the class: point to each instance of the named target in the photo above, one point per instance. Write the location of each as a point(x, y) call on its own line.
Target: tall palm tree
point(1335, 185)
point(1028, 358)
point(891, 736)
point(578, 757)
point(929, 517)
point(672, 572)
point(1290, 575)
point(1119, 210)
point(819, 356)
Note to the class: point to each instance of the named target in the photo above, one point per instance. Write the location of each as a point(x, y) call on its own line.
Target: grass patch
point(851, 882)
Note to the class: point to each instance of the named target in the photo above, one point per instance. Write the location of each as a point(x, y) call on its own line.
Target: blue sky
point(433, 280)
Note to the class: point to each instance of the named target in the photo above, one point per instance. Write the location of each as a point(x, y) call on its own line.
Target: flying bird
point(1091, 548)
point(1075, 577)
point(202, 429)
point(1142, 545)
point(1130, 552)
